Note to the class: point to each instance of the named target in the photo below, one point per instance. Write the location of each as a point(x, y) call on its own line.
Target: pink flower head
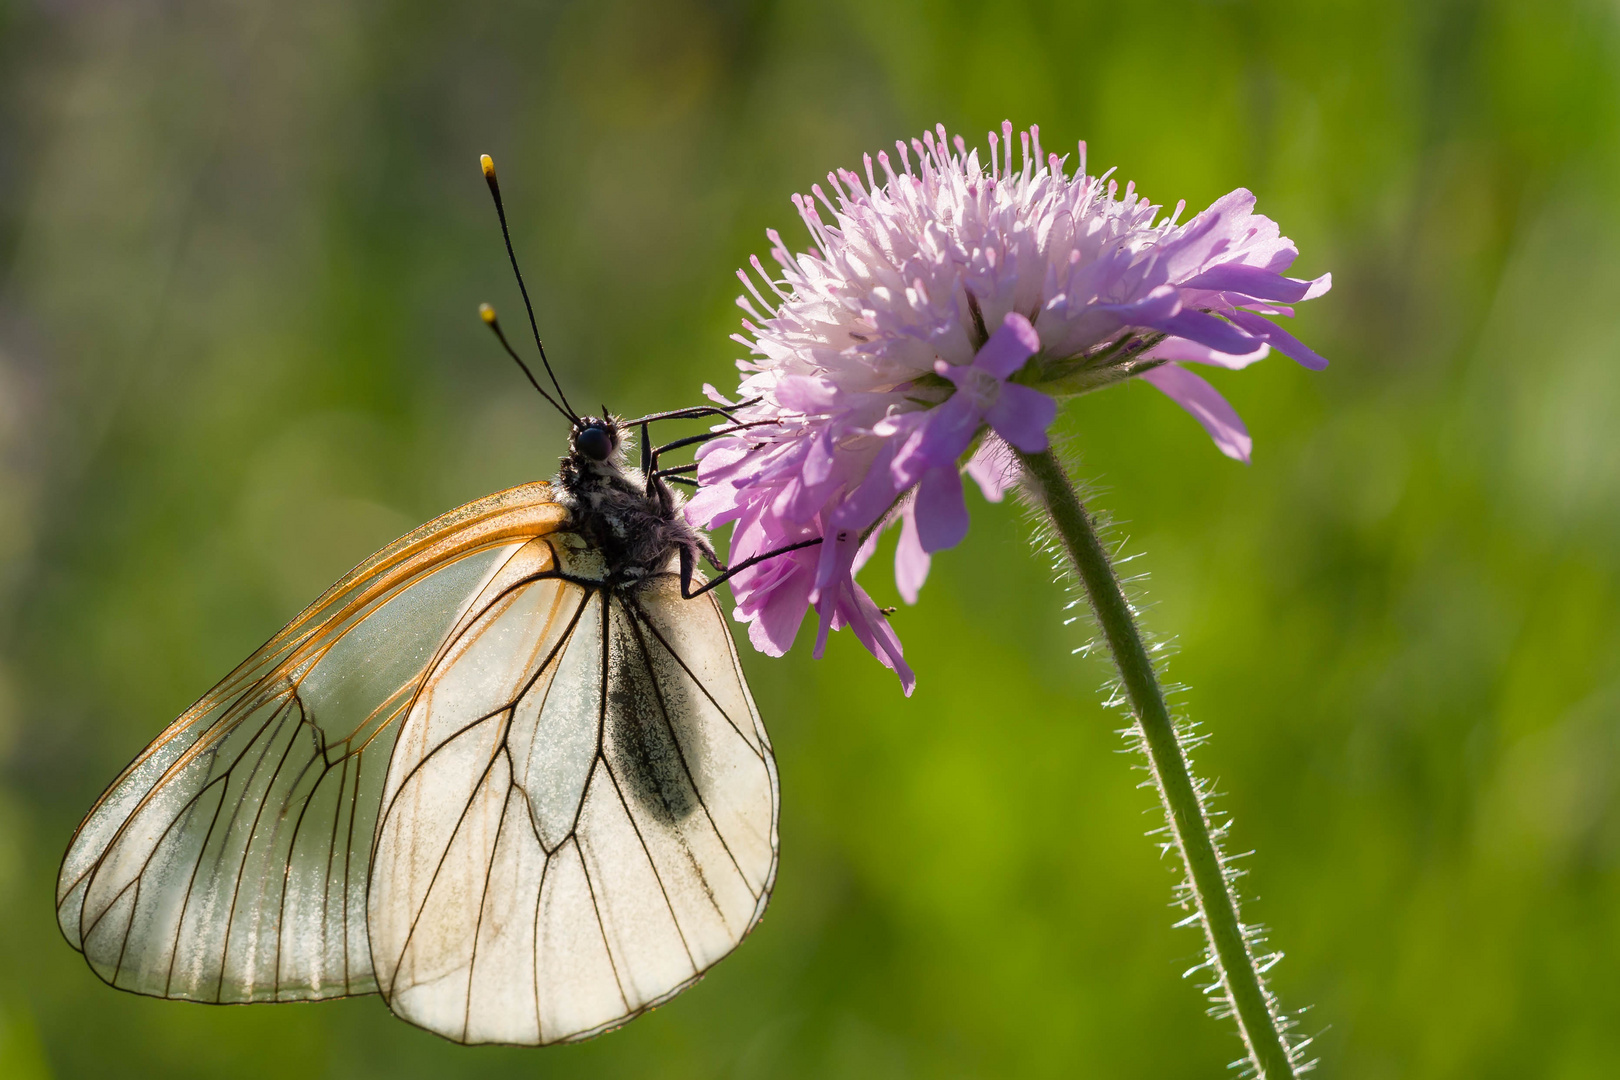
point(947, 303)
point(930, 456)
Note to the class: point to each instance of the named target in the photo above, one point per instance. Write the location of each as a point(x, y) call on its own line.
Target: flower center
point(981, 387)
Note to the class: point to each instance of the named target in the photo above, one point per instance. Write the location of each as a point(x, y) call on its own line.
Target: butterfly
point(507, 773)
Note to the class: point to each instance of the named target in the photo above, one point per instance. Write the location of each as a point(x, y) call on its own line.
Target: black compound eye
point(594, 442)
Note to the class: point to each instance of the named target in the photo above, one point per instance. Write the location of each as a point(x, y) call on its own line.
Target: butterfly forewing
point(580, 815)
point(229, 862)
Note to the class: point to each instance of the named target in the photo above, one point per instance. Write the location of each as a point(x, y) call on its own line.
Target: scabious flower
point(947, 304)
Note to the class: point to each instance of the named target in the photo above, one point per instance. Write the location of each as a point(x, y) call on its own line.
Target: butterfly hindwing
point(580, 816)
point(523, 804)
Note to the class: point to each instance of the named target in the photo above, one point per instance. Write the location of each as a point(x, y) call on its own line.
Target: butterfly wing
point(229, 861)
point(579, 818)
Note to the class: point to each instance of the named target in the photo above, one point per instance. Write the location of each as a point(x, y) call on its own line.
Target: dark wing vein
point(663, 891)
point(676, 656)
point(450, 842)
point(680, 754)
point(191, 882)
point(483, 896)
point(326, 877)
point(247, 850)
point(631, 677)
point(601, 729)
point(601, 926)
point(153, 828)
point(508, 706)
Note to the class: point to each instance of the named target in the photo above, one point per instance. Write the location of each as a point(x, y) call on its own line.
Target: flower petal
point(942, 437)
point(776, 623)
point(1259, 283)
point(872, 629)
point(836, 562)
point(712, 506)
point(1286, 343)
point(1021, 416)
point(942, 517)
point(818, 463)
point(802, 393)
point(1160, 304)
point(994, 468)
point(1014, 342)
point(1181, 349)
point(910, 560)
point(1206, 329)
point(1207, 406)
point(867, 549)
point(872, 497)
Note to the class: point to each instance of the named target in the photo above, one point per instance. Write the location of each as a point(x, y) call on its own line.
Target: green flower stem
point(1217, 904)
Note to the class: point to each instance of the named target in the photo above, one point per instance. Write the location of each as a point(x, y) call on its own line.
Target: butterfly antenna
point(488, 165)
point(487, 313)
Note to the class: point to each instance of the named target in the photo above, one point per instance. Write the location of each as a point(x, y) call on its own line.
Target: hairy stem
point(1235, 967)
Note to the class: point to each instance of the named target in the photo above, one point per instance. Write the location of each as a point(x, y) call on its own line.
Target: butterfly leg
point(692, 440)
point(709, 554)
point(688, 568)
point(649, 460)
point(676, 475)
point(695, 412)
point(649, 453)
point(689, 565)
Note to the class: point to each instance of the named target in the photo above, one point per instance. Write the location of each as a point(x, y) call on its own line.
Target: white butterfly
point(504, 773)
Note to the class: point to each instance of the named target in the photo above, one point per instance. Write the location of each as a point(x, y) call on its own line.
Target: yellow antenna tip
point(486, 313)
point(487, 163)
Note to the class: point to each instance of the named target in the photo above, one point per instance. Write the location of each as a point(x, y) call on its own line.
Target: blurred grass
point(241, 246)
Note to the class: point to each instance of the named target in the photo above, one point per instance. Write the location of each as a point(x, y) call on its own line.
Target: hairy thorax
point(638, 531)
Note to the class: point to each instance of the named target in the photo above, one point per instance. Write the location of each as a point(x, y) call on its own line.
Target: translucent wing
point(229, 861)
point(579, 818)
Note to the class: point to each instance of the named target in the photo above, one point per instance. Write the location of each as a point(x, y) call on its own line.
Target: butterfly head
point(594, 439)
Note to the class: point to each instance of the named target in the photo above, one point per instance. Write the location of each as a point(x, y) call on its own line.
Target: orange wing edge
point(528, 511)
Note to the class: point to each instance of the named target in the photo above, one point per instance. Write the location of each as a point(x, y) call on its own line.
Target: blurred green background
point(241, 245)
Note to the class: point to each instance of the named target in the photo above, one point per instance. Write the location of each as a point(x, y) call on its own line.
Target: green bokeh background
point(240, 249)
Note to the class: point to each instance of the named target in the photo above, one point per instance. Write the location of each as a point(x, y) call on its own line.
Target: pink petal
point(994, 468)
point(872, 628)
point(1021, 416)
point(910, 560)
point(1259, 283)
point(776, 624)
point(720, 454)
point(835, 562)
point(868, 548)
point(1318, 287)
point(872, 497)
point(1181, 349)
point(1207, 406)
point(1160, 304)
point(818, 463)
point(942, 517)
point(1206, 329)
point(806, 394)
point(1286, 343)
point(942, 437)
point(1014, 342)
point(1221, 228)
